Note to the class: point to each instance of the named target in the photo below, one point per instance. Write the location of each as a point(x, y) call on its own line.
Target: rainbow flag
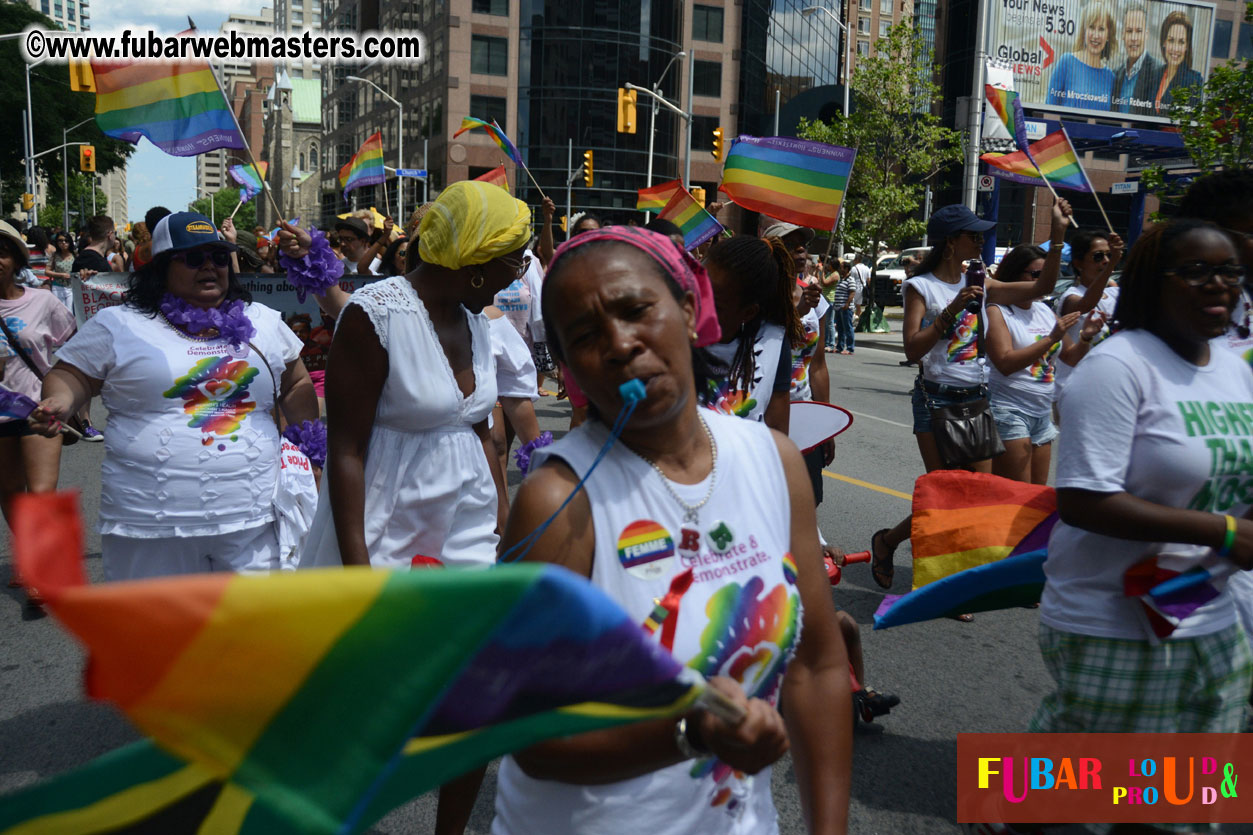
point(366, 166)
point(697, 224)
point(979, 544)
point(1053, 156)
point(251, 688)
point(250, 178)
point(655, 199)
point(795, 180)
point(177, 105)
point(496, 177)
point(1008, 109)
point(496, 133)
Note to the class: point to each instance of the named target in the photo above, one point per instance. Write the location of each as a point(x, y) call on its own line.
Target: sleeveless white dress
point(741, 617)
point(428, 489)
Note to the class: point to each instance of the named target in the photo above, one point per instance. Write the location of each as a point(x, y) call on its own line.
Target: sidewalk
point(893, 341)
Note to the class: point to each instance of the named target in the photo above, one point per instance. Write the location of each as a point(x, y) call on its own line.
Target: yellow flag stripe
point(790, 188)
point(228, 813)
point(150, 92)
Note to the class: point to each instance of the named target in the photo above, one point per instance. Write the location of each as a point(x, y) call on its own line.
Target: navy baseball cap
point(185, 230)
point(950, 220)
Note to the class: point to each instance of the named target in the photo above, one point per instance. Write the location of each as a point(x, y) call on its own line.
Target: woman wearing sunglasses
point(1093, 256)
point(188, 368)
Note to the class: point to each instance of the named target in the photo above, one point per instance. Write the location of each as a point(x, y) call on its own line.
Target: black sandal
point(882, 576)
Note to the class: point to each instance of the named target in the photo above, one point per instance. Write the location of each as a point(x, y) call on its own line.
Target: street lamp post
point(848, 46)
point(400, 143)
point(652, 125)
point(30, 140)
point(65, 172)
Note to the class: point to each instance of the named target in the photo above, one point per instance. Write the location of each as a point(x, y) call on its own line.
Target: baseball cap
point(780, 229)
point(185, 230)
point(950, 220)
point(7, 231)
point(355, 225)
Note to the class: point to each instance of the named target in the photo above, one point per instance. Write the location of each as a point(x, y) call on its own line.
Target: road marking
point(908, 426)
point(875, 487)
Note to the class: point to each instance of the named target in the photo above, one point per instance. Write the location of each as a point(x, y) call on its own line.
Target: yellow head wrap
point(472, 223)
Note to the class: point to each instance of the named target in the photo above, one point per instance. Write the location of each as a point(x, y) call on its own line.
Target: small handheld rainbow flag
point(697, 224)
point(1008, 109)
point(795, 180)
point(366, 166)
point(497, 135)
point(1053, 156)
point(654, 199)
point(250, 178)
point(177, 105)
point(496, 177)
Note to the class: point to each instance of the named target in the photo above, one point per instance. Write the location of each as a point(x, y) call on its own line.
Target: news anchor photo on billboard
point(1096, 57)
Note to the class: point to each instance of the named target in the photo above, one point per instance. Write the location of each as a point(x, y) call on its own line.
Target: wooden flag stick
point(1056, 197)
point(1084, 172)
point(278, 213)
point(542, 195)
point(236, 209)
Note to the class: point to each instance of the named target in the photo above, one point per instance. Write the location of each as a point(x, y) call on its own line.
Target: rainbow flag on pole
point(1007, 107)
point(177, 105)
point(795, 180)
point(496, 133)
point(366, 166)
point(249, 178)
point(1053, 156)
point(315, 701)
point(654, 199)
point(979, 544)
point(496, 177)
point(697, 224)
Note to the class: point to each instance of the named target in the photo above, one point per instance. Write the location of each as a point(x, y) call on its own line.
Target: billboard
point(1119, 60)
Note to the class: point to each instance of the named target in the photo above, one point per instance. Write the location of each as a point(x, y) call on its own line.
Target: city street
point(952, 677)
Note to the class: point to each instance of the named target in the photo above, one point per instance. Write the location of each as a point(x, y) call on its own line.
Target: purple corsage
point(317, 271)
point(310, 436)
point(228, 319)
point(523, 455)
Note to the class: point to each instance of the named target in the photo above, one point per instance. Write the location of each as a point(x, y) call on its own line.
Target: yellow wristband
point(1229, 540)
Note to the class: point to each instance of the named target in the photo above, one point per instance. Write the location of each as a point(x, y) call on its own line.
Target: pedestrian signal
point(587, 168)
point(698, 194)
point(626, 110)
point(86, 158)
point(717, 151)
point(28, 202)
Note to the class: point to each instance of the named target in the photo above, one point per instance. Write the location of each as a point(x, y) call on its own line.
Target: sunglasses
point(1198, 273)
point(196, 257)
point(1034, 273)
point(1099, 257)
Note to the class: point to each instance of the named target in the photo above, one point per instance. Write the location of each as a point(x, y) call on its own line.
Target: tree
point(223, 203)
point(56, 108)
point(1214, 122)
point(79, 204)
point(900, 144)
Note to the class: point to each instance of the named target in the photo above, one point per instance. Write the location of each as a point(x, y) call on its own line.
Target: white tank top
point(954, 359)
point(1030, 389)
point(1107, 304)
point(741, 617)
point(749, 404)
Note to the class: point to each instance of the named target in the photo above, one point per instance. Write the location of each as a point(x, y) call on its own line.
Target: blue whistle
point(632, 391)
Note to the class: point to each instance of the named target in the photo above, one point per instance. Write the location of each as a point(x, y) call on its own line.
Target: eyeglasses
point(1198, 273)
point(1035, 273)
point(196, 257)
point(519, 267)
point(1099, 257)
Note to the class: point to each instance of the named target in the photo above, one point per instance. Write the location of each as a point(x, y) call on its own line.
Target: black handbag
point(966, 432)
point(79, 423)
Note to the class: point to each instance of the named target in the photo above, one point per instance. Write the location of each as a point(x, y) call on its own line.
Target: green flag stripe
point(789, 172)
point(161, 111)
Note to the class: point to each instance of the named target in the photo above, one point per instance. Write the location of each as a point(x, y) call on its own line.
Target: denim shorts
point(1014, 425)
point(924, 401)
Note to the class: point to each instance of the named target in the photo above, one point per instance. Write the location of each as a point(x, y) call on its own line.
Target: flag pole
point(278, 213)
point(542, 195)
point(236, 209)
point(1056, 196)
point(1089, 182)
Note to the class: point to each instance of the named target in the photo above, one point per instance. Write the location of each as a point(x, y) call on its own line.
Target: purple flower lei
point(310, 436)
point(523, 455)
point(317, 271)
point(228, 319)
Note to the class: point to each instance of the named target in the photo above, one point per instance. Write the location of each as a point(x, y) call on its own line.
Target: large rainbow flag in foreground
point(795, 180)
point(654, 199)
point(1055, 158)
point(177, 105)
point(366, 166)
point(979, 544)
point(697, 224)
point(314, 702)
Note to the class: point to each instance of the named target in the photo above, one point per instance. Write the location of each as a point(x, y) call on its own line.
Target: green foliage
point(1214, 122)
point(56, 108)
point(80, 201)
point(223, 202)
point(900, 144)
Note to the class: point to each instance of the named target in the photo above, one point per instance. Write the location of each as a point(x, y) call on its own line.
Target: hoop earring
point(478, 277)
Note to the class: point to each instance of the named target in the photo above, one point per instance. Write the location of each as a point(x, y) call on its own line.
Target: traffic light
point(698, 194)
point(626, 110)
point(28, 202)
point(82, 79)
point(86, 158)
point(587, 168)
point(717, 151)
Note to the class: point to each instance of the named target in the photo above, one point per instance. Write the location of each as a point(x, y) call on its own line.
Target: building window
point(707, 79)
point(885, 8)
point(313, 157)
point(497, 7)
point(865, 5)
point(1244, 50)
point(489, 109)
point(489, 56)
point(863, 47)
point(863, 26)
point(707, 23)
point(297, 19)
point(1222, 39)
point(45, 6)
point(884, 25)
point(703, 133)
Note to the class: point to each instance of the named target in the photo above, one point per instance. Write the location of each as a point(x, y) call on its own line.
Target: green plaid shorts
point(1112, 685)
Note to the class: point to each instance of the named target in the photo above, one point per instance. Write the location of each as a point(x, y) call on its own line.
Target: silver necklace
point(691, 512)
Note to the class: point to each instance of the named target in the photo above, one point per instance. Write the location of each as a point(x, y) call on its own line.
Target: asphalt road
point(952, 677)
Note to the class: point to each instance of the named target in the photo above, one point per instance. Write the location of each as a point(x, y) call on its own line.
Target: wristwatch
point(690, 748)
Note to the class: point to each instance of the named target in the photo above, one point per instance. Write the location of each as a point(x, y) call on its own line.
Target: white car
point(889, 267)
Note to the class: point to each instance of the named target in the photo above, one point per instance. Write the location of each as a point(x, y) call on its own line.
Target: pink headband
point(682, 268)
